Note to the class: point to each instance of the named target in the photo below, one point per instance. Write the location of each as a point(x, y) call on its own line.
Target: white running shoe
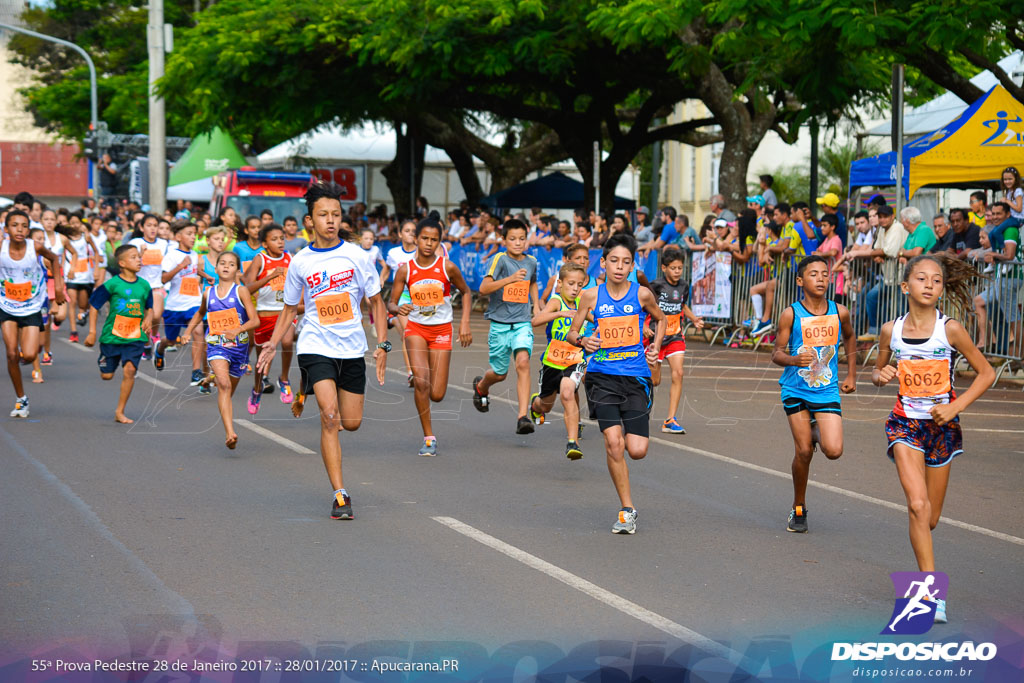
point(20, 407)
point(940, 611)
point(626, 523)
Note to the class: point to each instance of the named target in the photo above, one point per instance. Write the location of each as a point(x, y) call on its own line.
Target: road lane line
point(80, 347)
point(613, 600)
point(176, 602)
point(277, 438)
point(901, 507)
point(154, 381)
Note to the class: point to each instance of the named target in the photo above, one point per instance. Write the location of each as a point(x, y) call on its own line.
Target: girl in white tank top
point(923, 429)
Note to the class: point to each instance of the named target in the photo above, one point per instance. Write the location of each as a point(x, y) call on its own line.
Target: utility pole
point(597, 177)
point(897, 130)
point(814, 162)
point(157, 115)
point(93, 102)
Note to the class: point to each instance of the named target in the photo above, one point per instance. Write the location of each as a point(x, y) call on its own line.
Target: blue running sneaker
point(672, 427)
point(429, 447)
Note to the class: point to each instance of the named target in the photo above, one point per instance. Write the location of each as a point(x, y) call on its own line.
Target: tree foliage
point(113, 32)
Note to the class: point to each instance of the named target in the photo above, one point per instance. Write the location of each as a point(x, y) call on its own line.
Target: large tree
point(756, 66)
point(944, 41)
point(301, 67)
point(534, 61)
point(113, 32)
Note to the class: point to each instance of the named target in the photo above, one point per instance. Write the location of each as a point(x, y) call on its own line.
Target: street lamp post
point(93, 106)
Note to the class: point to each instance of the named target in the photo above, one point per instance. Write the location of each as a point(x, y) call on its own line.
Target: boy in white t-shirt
point(184, 294)
point(331, 276)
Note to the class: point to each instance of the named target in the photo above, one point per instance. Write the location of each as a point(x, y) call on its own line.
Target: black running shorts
point(616, 400)
point(348, 374)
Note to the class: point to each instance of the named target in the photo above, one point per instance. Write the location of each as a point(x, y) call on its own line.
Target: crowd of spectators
point(760, 237)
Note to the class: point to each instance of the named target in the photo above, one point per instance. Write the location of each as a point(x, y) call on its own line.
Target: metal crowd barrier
point(995, 318)
point(872, 293)
point(868, 289)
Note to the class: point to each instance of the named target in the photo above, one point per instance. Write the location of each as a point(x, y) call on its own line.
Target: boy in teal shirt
point(125, 331)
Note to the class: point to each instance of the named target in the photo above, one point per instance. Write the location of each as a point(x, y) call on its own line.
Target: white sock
point(758, 302)
point(343, 493)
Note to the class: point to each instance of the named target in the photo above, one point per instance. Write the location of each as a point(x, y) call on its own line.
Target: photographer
point(108, 176)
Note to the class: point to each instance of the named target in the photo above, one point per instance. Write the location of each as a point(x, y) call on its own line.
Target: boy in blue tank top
point(807, 346)
point(618, 380)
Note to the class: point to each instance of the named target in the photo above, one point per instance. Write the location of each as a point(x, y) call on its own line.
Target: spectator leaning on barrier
point(789, 238)
point(718, 207)
point(966, 235)
point(756, 204)
point(762, 294)
point(691, 239)
point(742, 246)
point(770, 200)
point(943, 234)
point(584, 235)
point(669, 235)
point(830, 207)
point(1005, 241)
point(888, 243)
point(643, 233)
point(718, 240)
point(601, 232)
point(565, 236)
point(920, 237)
point(803, 225)
point(865, 231)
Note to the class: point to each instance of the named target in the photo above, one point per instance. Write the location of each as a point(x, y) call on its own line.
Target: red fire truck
point(249, 192)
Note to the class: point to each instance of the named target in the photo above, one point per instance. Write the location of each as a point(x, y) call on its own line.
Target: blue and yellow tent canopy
point(970, 151)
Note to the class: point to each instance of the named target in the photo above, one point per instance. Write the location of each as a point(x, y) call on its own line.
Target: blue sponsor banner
point(471, 261)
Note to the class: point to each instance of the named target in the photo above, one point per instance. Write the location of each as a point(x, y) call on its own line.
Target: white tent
point(933, 115)
point(331, 142)
point(365, 150)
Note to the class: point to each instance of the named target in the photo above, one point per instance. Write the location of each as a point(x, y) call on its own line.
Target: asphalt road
point(154, 538)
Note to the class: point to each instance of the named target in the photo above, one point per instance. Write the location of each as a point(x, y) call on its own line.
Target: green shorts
point(504, 339)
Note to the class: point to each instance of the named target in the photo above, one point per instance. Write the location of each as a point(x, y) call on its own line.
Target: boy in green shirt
point(125, 331)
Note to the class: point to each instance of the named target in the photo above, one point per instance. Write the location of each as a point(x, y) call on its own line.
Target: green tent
point(208, 155)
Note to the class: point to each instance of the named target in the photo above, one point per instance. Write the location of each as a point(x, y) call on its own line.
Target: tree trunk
point(508, 165)
point(465, 166)
point(404, 174)
point(732, 173)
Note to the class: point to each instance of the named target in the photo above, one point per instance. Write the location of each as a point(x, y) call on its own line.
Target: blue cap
point(756, 199)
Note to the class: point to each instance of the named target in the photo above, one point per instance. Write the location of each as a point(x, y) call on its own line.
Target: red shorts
point(265, 331)
point(436, 336)
point(670, 349)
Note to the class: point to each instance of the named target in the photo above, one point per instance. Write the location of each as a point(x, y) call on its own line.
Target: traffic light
point(90, 146)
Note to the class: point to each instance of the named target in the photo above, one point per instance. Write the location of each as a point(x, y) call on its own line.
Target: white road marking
point(613, 600)
point(901, 507)
point(154, 381)
point(276, 438)
point(80, 347)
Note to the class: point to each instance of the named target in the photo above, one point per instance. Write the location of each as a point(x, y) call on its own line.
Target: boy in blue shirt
point(807, 346)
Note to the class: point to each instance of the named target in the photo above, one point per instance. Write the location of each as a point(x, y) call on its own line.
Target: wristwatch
point(386, 345)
